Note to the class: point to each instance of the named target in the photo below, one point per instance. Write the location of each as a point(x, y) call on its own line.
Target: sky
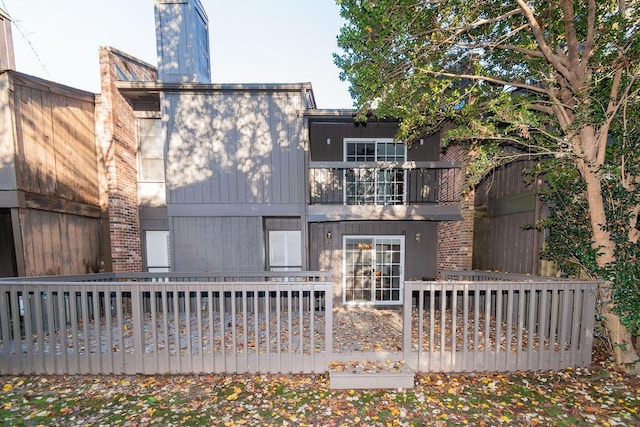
point(251, 41)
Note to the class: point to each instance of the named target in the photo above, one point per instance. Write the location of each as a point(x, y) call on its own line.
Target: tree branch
point(538, 33)
point(489, 79)
point(590, 43)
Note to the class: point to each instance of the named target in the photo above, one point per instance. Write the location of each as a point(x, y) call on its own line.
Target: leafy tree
point(557, 78)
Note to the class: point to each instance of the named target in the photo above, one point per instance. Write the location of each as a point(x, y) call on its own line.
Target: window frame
point(379, 175)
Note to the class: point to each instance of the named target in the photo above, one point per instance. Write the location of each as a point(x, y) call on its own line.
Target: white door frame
point(374, 300)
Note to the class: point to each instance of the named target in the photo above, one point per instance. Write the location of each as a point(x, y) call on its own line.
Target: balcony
point(410, 190)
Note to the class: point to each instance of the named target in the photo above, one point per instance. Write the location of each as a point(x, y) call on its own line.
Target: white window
point(285, 250)
point(379, 185)
point(158, 251)
point(151, 151)
point(373, 269)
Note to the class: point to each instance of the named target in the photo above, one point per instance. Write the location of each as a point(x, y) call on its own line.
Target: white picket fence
point(155, 323)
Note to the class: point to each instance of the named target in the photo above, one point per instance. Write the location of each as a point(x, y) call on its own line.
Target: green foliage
point(546, 79)
point(569, 238)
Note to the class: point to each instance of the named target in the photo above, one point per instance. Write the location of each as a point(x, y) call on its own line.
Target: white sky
point(252, 41)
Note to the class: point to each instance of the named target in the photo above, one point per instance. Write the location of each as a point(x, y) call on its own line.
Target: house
point(257, 179)
point(197, 176)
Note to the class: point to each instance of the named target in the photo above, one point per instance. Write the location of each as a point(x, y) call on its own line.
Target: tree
point(558, 79)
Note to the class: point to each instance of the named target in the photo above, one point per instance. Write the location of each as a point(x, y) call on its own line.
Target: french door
point(373, 269)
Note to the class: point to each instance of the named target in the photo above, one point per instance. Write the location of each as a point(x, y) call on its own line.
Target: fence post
point(137, 328)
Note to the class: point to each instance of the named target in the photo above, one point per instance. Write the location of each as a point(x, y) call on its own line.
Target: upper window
point(374, 185)
point(151, 151)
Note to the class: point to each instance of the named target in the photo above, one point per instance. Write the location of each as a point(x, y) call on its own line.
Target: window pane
point(285, 249)
point(151, 151)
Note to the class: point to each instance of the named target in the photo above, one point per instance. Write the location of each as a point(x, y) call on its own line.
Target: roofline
point(156, 87)
point(331, 112)
point(48, 85)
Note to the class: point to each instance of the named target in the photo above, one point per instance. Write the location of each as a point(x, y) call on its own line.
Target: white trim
point(374, 239)
point(286, 245)
point(375, 160)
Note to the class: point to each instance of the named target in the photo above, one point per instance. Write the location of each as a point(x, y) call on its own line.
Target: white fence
point(498, 322)
point(166, 323)
point(154, 323)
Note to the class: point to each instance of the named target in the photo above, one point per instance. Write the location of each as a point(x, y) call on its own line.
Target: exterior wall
point(55, 141)
point(8, 183)
point(49, 177)
point(326, 253)
point(212, 244)
point(320, 131)
point(455, 238)
point(234, 157)
point(7, 60)
point(118, 148)
point(57, 243)
point(504, 204)
point(182, 38)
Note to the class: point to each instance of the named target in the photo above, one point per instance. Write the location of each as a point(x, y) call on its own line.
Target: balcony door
point(374, 186)
point(373, 269)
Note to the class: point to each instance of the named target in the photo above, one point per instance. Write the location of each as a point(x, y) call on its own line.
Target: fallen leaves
point(598, 395)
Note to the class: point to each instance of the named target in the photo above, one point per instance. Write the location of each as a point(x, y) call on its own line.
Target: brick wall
point(455, 238)
point(117, 127)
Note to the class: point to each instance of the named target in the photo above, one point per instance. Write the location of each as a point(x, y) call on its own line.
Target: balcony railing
point(383, 183)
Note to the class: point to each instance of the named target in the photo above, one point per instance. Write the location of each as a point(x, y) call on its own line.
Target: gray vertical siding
point(336, 132)
point(230, 148)
point(233, 158)
point(420, 257)
point(217, 244)
point(504, 206)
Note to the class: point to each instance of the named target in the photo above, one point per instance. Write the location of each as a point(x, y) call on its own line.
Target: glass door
point(373, 269)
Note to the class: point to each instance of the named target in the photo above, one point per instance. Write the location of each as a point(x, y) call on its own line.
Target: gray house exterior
point(253, 177)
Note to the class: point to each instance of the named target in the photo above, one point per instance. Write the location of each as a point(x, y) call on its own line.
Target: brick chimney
point(182, 39)
point(7, 61)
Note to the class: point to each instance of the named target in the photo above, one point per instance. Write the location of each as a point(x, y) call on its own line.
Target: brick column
point(455, 238)
point(117, 127)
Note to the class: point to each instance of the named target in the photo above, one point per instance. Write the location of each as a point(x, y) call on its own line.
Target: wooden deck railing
point(154, 323)
point(498, 322)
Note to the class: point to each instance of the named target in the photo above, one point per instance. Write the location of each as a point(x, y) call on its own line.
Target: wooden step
point(363, 375)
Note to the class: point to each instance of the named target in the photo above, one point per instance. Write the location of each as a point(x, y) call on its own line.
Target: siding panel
point(240, 150)
point(504, 205)
point(420, 257)
point(57, 243)
point(218, 243)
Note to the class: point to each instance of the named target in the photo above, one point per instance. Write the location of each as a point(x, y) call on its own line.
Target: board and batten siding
point(55, 133)
point(212, 244)
point(326, 253)
point(56, 243)
point(49, 176)
point(504, 206)
point(235, 149)
point(233, 158)
point(320, 132)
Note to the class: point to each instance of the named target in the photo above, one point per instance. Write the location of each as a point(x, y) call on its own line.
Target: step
point(370, 375)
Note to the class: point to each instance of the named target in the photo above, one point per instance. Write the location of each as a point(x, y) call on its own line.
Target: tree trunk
point(621, 339)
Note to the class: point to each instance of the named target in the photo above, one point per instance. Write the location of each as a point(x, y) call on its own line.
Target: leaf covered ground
point(599, 395)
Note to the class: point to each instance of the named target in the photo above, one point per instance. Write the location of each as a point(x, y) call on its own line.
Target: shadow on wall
point(239, 147)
